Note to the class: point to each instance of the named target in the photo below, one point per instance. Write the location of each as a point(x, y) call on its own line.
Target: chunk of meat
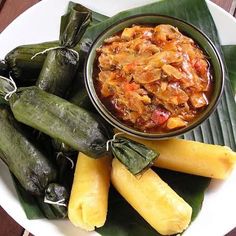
point(172, 71)
point(201, 67)
point(109, 82)
point(113, 39)
point(165, 57)
point(148, 48)
point(173, 93)
point(144, 76)
point(164, 33)
point(128, 33)
point(135, 31)
point(198, 100)
point(112, 61)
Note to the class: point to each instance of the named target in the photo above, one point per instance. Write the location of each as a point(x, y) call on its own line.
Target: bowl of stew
point(154, 76)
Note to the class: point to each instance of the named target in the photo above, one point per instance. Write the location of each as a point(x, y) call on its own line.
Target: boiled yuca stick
point(152, 198)
point(193, 157)
point(89, 195)
point(196, 158)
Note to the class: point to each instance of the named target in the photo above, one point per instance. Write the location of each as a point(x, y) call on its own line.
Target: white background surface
point(41, 23)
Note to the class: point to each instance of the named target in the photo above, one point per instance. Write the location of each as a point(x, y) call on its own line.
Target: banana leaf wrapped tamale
point(29, 165)
point(35, 207)
point(23, 69)
point(61, 63)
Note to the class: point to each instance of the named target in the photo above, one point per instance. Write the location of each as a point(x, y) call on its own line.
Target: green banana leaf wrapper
point(24, 70)
point(61, 63)
point(136, 156)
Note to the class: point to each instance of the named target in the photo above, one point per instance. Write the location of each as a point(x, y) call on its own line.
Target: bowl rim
point(129, 130)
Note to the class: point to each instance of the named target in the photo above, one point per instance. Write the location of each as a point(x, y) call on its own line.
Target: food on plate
point(153, 199)
point(29, 165)
point(192, 157)
point(23, 69)
point(60, 119)
point(153, 78)
point(196, 158)
point(89, 195)
point(58, 71)
point(61, 63)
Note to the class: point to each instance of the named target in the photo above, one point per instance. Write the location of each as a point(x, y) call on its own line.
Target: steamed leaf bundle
point(23, 69)
point(29, 165)
point(60, 119)
point(61, 63)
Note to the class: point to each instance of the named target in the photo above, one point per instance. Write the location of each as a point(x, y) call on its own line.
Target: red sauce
point(153, 79)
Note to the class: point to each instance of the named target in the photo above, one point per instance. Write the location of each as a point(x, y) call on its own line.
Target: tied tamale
point(23, 69)
point(61, 63)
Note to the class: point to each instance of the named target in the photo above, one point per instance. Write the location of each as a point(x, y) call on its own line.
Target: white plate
point(41, 23)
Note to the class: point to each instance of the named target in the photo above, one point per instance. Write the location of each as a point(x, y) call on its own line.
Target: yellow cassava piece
point(196, 158)
point(152, 198)
point(89, 195)
point(192, 157)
